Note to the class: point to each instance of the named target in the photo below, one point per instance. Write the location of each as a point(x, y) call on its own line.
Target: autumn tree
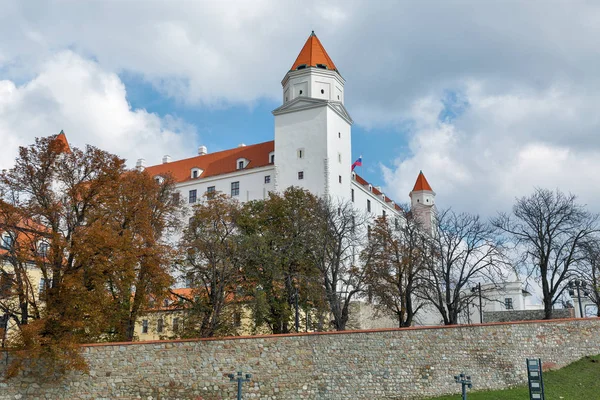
point(280, 234)
point(128, 233)
point(59, 188)
point(463, 251)
point(551, 229)
point(399, 251)
point(213, 257)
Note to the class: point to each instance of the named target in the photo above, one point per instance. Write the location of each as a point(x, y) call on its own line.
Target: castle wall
point(398, 363)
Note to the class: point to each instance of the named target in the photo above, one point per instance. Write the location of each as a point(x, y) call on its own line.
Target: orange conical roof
point(313, 53)
point(61, 140)
point(421, 183)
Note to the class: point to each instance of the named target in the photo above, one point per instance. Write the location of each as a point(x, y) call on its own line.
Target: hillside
point(577, 381)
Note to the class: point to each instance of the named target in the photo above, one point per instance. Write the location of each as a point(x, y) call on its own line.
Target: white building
point(312, 149)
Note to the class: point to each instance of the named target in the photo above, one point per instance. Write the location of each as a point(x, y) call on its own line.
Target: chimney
point(140, 164)
point(202, 150)
point(242, 145)
point(166, 159)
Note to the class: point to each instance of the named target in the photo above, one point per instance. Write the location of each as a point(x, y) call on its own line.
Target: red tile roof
point(62, 143)
point(374, 190)
point(313, 53)
point(218, 163)
point(421, 183)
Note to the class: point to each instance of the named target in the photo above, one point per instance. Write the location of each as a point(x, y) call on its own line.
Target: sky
point(488, 99)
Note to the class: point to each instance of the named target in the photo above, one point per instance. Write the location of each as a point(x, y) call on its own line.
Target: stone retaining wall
point(525, 315)
point(384, 364)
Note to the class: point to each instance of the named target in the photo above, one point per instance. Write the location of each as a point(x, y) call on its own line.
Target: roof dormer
point(196, 172)
point(241, 163)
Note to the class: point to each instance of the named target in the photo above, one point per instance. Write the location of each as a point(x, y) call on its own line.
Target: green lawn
point(577, 381)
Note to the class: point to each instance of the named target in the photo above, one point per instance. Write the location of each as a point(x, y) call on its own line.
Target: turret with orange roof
point(313, 54)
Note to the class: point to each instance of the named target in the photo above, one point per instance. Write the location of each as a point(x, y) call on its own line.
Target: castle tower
point(312, 127)
point(422, 199)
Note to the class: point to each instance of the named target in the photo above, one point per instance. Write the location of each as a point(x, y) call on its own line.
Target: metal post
point(480, 304)
point(240, 380)
point(579, 299)
point(297, 314)
point(465, 382)
point(464, 391)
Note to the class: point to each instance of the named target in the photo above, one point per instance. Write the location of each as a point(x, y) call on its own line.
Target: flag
point(357, 163)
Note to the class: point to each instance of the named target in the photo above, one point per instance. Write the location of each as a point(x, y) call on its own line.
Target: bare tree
point(552, 229)
point(589, 271)
point(398, 259)
point(463, 250)
point(342, 237)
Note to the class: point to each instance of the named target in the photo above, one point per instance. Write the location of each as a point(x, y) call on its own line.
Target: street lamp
point(578, 284)
point(465, 381)
point(474, 290)
point(240, 379)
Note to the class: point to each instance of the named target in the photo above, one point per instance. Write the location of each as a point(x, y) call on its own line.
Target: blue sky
point(489, 99)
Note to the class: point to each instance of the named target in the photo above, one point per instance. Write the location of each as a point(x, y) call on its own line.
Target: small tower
point(422, 199)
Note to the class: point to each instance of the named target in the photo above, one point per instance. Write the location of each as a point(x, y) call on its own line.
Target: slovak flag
point(357, 163)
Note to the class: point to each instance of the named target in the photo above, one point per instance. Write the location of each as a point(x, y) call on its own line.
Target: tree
point(280, 235)
point(130, 247)
point(342, 233)
point(463, 250)
point(213, 257)
point(589, 271)
point(398, 259)
point(58, 188)
point(552, 229)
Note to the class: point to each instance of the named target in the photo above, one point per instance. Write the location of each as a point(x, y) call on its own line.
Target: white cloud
point(90, 105)
point(502, 147)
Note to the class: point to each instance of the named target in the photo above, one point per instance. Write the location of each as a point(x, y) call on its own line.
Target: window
point(210, 192)
point(272, 158)
point(159, 325)
point(301, 68)
point(340, 178)
point(368, 205)
point(176, 197)
point(301, 175)
point(300, 153)
point(235, 188)
point(195, 173)
point(369, 231)
point(396, 223)
point(339, 133)
point(43, 286)
point(175, 324)
point(353, 223)
point(352, 194)
point(6, 281)
point(241, 164)
point(339, 210)
point(383, 213)
point(145, 326)
point(322, 91)
point(192, 196)
point(43, 249)
point(237, 319)
point(7, 241)
point(267, 178)
point(340, 158)
point(508, 303)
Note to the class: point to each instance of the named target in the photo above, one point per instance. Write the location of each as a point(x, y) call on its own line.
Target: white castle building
point(312, 149)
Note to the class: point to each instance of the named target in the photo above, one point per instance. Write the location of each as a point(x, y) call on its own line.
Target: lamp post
point(240, 379)
point(579, 285)
point(465, 381)
point(478, 290)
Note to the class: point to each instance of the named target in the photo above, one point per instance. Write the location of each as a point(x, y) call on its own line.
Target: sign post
point(536, 380)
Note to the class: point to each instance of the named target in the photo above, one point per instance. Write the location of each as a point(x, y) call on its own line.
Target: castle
point(312, 149)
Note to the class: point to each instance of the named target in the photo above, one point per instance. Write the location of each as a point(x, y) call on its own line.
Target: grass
point(577, 381)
